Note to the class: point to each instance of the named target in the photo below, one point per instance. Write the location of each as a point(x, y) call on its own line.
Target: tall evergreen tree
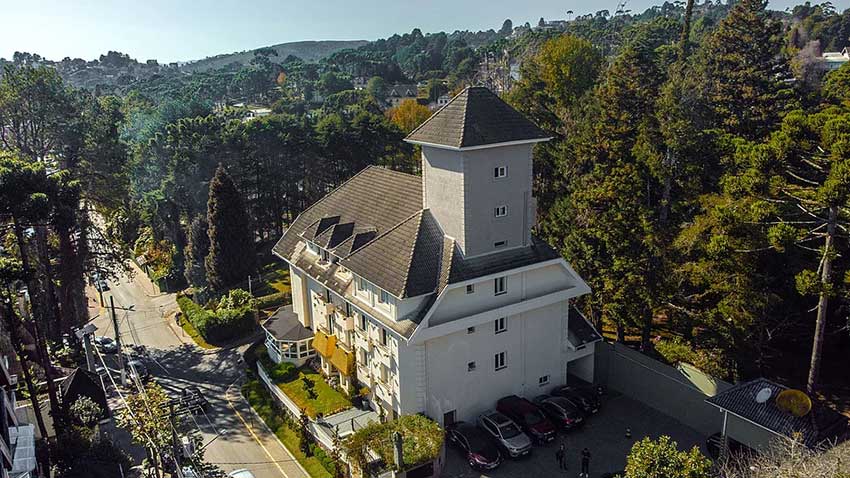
point(743, 74)
point(232, 256)
point(197, 249)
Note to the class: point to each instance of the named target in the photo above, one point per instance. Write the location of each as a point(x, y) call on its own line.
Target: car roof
point(497, 417)
point(243, 473)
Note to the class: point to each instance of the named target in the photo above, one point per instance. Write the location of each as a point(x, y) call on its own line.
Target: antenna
point(764, 395)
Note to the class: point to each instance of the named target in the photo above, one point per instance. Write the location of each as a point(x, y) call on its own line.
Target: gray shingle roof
point(475, 117)
point(392, 242)
point(819, 425)
point(284, 325)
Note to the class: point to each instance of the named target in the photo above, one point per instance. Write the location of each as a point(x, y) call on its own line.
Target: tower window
point(500, 211)
point(500, 172)
point(500, 285)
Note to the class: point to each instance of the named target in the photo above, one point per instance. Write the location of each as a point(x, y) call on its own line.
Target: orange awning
point(324, 344)
point(343, 361)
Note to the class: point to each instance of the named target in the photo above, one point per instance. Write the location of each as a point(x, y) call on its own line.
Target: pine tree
point(743, 72)
point(232, 256)
point(197, 249)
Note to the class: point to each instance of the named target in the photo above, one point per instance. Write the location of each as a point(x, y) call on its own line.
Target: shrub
point(422, 440)
point(676, 350)
point(663, 459)
point(275, 300)
point(236, 299)
point(326, 461)
point(218, 326)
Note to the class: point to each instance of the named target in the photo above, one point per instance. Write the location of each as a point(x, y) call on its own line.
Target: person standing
point(585, 463)
point(561, 457)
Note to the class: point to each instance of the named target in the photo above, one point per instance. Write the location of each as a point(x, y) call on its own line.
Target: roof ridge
point(412, 251)
point(434, 115)
point(376, 238)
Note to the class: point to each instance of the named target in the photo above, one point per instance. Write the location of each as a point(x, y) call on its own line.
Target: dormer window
point(326, 256)
point(313, 248)
point(500, 172)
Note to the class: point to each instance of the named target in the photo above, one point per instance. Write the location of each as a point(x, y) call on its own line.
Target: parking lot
point(603, 434)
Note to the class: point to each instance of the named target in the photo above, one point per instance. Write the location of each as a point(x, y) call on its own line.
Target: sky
point(181, 30)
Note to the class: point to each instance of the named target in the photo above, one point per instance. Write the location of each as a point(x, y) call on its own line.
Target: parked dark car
point(481, 452)
point(528, 416)
point(561, 411)
point(105, 344)
point(584, 397)
point(506, 433)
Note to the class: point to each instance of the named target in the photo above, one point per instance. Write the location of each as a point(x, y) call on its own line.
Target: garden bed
point(325, 400)
point(317, 466)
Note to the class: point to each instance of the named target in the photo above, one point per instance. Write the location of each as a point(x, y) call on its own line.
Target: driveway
point(603, 434)
point(235, 438)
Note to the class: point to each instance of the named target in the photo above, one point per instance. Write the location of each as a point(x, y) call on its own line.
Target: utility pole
point(176, 442)
point(118, 340)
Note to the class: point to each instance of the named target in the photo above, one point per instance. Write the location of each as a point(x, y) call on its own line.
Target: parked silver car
point(506, 433)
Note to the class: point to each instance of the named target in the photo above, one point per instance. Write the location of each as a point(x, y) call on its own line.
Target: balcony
point(344, 322)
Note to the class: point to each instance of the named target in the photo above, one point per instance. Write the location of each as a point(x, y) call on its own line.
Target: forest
point(699, 176)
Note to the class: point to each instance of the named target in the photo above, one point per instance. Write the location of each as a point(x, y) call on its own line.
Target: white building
point(432, 291)
point(397, 94)
point(833, 60)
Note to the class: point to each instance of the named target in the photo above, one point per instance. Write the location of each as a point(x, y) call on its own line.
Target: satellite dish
point(795, 402)
point(764, 395)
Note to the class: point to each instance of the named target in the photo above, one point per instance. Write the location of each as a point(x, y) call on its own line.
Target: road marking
point(254, 435)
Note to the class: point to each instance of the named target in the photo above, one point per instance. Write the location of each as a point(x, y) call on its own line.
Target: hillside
point(309, 51)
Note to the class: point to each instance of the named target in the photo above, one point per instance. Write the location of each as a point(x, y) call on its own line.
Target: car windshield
point(532, 417)
point(509, 430)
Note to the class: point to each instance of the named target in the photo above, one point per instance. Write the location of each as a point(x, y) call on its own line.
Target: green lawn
point(262, 402)
point(274, 278)
point(327, 401)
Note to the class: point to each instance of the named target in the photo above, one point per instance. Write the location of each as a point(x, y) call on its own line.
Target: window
point(544, 380)
point(470, 330)
point(470, 366)
point(501, 325)
point(500, 172)
point(364, 358)
point(384, 337)
point(362, 322)
point(470, 289)
point(385, 297)
point(500, 285)
point(500, 211)
point(361, 286)
point(500, 360)
point(500, 243)
point(326, 256)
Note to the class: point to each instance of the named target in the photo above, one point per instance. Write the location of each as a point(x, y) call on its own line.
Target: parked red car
point(528, 416)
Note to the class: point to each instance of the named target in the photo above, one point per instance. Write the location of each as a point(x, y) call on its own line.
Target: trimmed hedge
point(219, 326)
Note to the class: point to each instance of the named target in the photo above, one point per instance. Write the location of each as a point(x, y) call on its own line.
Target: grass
point(274, 277)
point(328, 400)
point(263, 404)
point(191, 331)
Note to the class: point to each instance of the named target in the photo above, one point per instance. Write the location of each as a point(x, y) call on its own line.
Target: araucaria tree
point(232, 256)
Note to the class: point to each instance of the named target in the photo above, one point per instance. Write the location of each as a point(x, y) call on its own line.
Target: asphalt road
point(234, 437)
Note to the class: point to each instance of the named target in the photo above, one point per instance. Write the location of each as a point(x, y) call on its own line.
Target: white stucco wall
point(525, 285)
point(533, 342)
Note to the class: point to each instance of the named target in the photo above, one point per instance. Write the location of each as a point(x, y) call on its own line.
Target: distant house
point(82, 383)
point(833, 60)
point(398, 93)
point(359, 82)
point(751, 417)
point(443, 100)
